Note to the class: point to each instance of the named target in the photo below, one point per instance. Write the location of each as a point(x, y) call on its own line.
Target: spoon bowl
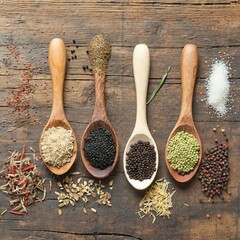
point(189, 63)
point(141, 66)
point(57, 65)
point(95, 172)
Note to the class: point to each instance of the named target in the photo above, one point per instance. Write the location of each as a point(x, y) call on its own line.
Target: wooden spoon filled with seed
point(58, 145)
point(184, 148)
point(99, 144)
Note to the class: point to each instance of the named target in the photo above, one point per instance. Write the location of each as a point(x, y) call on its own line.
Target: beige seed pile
point(99, 53)
point(82, 190)
point(157, 200)
point(57, 146)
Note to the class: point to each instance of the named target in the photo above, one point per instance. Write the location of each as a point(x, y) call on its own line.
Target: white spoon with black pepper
point(141, 169)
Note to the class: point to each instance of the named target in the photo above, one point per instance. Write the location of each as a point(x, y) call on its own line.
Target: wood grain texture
point(165, 26)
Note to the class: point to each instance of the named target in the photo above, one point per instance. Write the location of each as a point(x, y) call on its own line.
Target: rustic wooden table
point(165, 26)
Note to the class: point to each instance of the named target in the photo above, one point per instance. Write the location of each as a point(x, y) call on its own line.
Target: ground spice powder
point(99, 53)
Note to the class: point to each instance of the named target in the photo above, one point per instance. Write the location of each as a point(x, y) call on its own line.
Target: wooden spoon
point(57, 65)
point(141, 66)
point(189, 64)
point(99, 119)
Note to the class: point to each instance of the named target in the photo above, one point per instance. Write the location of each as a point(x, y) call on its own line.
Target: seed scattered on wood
point(93, 210)
point(157, 200)
point(59, 211)
point(3, 212)
point(72, 191)
point(84, 210)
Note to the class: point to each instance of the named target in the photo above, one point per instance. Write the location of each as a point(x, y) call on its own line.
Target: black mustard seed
point(100, 148)
point(141, 161)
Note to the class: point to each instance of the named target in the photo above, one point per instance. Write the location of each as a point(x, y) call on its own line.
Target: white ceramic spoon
point(141, 66)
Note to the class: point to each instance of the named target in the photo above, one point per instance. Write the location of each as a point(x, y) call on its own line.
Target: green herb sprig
point(159, 86)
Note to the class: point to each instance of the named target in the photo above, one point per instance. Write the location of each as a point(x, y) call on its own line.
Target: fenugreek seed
point(59, 184)
point(84, 210)
point(57, 193)
point(111, 183)
point(59, 211)
point(93, 210)
point(72, 202)
point(61, 205)
point(79, 180)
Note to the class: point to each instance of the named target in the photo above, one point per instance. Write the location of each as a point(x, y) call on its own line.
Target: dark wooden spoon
point(189, 64)
point(99, 119)
point(57, 65)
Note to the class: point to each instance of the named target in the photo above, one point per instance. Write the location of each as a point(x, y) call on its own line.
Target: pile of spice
point(218, 87)
point(214, 171)
point(23, 183)
point(141, 161)
point(57, 146)
point(99, 53)
point(157, 200)
point(100, 148)
point(73, 191)
point(183, 152)
point(19, 99)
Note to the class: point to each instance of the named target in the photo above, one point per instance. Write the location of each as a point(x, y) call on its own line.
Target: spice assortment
point(99, 148)
point(85, 190)
point(57, 146)
point(23, 182)
point(183, 152)
point(141, 161)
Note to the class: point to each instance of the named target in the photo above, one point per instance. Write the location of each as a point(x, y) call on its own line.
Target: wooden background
point(27, 27)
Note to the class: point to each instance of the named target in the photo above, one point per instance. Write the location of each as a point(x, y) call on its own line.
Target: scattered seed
point(223, 130)
point(59, 211)
point(93, 210)
point(207, 216)
point(3, 212)
point(214, 129)
point(84, 210)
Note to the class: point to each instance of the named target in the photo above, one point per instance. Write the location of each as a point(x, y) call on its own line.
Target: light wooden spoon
point(57, 65)
point(189, 64)
point(141, 66)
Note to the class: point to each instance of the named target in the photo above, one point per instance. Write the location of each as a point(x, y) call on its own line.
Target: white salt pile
point(218, 87)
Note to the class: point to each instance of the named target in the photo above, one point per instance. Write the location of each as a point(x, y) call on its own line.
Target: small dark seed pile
point(141, 161)
point(100, 148)
point(214, 171)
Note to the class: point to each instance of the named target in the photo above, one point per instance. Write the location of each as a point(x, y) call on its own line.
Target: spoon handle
point(57, 65)
point(99, 112)
point(141, 65)
point(189, 64)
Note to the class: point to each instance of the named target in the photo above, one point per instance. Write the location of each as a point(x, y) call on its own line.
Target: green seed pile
point(99, 53)
point(183, 152)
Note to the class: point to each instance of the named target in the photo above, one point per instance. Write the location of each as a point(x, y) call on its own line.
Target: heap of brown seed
point(73, 191)
point(99, 53)
point(214, 172)
point(23, 182)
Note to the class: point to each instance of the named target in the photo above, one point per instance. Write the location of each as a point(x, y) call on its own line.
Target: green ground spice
point(99, 53)
point(183, 152)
